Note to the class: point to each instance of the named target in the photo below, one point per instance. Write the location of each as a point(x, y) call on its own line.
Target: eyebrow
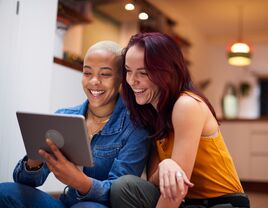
point(104, 67)
point(141, 68)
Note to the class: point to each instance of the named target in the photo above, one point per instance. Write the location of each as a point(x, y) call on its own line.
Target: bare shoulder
point(190, 105)
point(189, 102)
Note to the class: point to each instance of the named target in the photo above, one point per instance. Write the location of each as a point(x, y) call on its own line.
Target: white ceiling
point(214, 19)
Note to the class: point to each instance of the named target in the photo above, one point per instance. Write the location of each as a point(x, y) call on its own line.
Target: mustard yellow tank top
point(214, 172)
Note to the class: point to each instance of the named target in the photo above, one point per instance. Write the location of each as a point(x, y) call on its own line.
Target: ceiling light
point(239, 54)
point(143, 16)
point(129, 7)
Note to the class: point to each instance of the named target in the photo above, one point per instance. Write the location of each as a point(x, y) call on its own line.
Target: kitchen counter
point(263, 118)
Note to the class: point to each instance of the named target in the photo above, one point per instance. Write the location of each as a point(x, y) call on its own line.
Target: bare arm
point(188, 118)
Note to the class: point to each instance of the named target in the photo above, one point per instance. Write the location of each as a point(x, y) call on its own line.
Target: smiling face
point(137, 77)
point(101, 78)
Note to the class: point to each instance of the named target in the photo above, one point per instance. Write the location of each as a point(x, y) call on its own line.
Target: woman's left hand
point(173, 182)
point(63, 169)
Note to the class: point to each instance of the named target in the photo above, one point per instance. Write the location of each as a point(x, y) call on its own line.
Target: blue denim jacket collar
point(116, 121)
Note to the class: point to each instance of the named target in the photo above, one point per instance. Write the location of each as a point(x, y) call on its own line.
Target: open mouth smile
point(96, 93)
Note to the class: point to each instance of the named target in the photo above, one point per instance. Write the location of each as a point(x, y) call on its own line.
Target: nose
point(132, 79)
point(95, 80)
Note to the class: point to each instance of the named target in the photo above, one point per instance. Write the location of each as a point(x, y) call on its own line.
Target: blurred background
point(43, 44)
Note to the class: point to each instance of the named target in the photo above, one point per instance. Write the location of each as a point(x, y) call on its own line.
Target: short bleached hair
point(106, 45)
point(111, 46)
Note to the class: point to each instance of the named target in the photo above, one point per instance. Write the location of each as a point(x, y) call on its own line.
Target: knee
point(5, 189)
point(122, 191)
point(122, 186)
point(6, 193)
point(122, 183)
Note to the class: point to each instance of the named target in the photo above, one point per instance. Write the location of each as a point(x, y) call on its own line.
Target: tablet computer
point(68, 132)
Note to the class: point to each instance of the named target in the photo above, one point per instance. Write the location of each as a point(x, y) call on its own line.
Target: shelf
point(72, 65)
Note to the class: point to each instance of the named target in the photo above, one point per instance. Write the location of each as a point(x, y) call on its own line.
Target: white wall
point(127, 29)
point(221, 72)
point(26, 55)
point(101, 28)
point(208, 61)
point(8, 41)
point(29, 79)
point(66, 88)
point(73, 40)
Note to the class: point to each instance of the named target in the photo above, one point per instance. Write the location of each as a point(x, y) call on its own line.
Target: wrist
point(31, 167)
point(85, 185)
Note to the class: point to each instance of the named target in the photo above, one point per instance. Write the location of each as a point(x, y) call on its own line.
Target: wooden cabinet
point(248, 144)
point(74, 12)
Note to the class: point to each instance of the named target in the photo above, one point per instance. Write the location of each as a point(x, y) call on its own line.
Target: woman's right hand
point(173, 181)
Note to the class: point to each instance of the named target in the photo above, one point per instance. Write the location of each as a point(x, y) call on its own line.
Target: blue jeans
point(23, 196)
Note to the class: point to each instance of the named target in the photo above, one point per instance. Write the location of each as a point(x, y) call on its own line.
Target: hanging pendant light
point(239, 53)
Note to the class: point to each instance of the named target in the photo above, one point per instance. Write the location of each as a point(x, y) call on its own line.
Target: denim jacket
point(118, 149)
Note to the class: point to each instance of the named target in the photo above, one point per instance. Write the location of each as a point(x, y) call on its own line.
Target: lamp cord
point(240, 23)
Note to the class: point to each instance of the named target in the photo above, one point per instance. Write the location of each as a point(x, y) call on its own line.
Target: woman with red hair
point(159, 93)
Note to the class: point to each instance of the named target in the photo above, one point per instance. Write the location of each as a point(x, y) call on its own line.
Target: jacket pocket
point(107, 151)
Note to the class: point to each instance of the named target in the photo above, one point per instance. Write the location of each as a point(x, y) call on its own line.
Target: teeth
point(138, 90)
point(96, 92)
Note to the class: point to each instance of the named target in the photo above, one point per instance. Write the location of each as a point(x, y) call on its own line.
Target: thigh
point(132, 191)
point(19, 195)
point(88, 205)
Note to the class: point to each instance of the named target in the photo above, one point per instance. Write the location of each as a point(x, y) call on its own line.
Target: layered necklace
point(95, 122)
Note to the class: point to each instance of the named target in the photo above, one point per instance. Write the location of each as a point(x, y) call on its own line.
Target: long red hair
point(166, 68)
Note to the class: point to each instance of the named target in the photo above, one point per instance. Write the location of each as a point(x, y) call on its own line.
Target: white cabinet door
point(248, 145)
point(236, 139)
point(258, 163)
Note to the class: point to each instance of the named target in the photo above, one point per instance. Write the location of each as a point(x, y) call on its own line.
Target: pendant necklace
point(99, 123)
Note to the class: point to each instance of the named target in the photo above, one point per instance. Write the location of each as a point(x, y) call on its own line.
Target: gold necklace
point(97, 129)
point(103, 121)
point(96, 116)
point(98, 124)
